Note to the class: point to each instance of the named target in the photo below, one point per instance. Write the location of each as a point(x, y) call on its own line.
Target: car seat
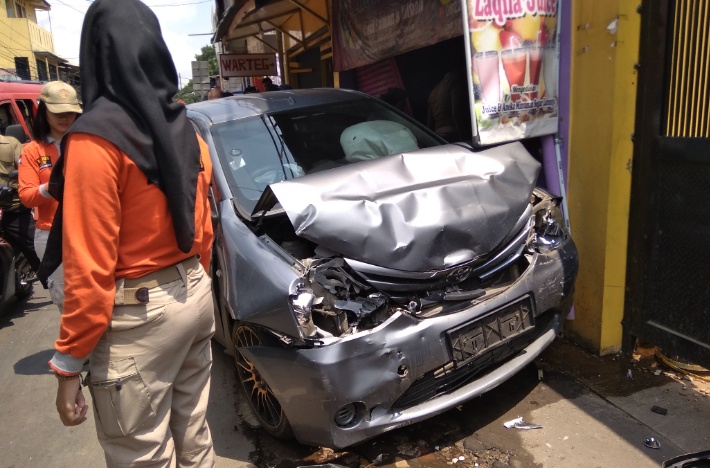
point(18, 132)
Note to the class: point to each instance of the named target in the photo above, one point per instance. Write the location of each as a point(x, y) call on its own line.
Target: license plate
point(472, 339)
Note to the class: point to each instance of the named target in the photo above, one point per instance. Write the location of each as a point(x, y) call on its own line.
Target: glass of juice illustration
point(486, 64)
point(535, 57)
point(514, 65)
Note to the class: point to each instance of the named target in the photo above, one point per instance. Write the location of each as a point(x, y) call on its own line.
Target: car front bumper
point(373, 369)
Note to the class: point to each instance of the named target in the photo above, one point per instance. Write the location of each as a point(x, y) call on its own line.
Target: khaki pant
point(150, 376)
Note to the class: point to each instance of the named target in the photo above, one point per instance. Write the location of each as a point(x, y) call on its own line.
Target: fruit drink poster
point(513, 62)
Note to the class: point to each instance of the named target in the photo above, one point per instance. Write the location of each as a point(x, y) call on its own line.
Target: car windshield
point(257, 151)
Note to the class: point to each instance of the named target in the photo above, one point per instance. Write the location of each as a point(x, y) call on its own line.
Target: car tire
point(23, 288)
point(259, 395)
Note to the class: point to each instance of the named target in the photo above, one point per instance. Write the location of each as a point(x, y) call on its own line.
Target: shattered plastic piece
point(518, 423)
point(629, 374)
point(408, 450)
point(539, 374)
point(657, 372)
point(323, 455)
point(653, 443)
point(462, 458)
point(659, 410)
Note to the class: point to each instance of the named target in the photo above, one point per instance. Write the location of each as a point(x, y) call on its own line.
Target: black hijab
point(128, 80)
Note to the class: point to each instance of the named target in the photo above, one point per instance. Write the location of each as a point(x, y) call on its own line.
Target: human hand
point(71, 404)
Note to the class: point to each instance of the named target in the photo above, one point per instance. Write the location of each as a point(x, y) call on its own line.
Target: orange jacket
point(34, 169)
point(115, 225)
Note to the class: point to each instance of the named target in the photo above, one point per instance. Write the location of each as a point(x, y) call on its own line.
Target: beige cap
point(60, 97)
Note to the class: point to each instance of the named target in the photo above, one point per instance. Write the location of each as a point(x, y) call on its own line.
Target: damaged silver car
point(367, 275)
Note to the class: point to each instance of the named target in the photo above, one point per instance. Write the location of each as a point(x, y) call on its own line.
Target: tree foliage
point(208, 54)
point(186, 94)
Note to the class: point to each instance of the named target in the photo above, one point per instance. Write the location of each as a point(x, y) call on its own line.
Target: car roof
point(246, 105)
point(20, 86)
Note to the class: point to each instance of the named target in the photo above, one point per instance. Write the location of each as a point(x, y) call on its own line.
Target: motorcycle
point(16, 276)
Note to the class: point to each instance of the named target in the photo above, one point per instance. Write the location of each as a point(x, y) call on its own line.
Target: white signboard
point(512, 53)
point(236, 65)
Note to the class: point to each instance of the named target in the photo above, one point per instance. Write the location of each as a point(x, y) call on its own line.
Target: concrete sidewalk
point(592, 411)
point(649, 399)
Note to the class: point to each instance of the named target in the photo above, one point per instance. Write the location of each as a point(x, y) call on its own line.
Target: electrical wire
point(71, 6)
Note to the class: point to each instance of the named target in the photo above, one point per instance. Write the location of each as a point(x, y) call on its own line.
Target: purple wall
point(548, 142)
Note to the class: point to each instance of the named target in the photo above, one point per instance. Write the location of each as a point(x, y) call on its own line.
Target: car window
point(25, 106)
point(7, 116)
point(257, 151)
point(253, 157)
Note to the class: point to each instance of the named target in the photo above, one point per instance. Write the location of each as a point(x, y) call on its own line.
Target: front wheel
point(261, 398)
point(23, 277)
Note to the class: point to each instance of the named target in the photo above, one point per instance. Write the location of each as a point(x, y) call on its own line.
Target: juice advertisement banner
point(512, 57)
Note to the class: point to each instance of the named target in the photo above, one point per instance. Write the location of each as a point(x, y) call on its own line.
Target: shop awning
point(49, 55)
point(248, 18)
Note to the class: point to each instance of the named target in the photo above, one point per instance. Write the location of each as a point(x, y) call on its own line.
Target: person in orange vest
point(57, 111)
point(134, 232)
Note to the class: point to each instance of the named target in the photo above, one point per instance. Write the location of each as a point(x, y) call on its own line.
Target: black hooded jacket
point(128, 80)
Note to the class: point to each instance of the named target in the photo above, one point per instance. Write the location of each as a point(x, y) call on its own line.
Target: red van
point(18, 104)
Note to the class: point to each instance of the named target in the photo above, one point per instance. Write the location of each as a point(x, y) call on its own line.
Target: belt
point(136, 290)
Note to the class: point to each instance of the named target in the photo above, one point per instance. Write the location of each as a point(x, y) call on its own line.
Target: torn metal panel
point(418, 211)
point(256, 294)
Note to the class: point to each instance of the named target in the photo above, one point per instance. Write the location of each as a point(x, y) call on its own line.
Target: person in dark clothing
point(449, 113)
point(269, 85)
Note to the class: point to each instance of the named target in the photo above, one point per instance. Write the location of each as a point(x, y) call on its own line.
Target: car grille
point(451, 376)
point(464, 277)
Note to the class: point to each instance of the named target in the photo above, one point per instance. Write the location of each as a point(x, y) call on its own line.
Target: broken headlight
point(550, 230)
point(301, 304)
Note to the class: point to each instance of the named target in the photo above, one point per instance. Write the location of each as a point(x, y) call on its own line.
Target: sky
point(178, 20)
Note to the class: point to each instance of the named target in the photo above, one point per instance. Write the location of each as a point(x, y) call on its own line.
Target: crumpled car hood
point(419, 211)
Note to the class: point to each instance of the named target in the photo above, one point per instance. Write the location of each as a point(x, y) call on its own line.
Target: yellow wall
point(20, 36)
point(602, 113)
point(14, 39)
